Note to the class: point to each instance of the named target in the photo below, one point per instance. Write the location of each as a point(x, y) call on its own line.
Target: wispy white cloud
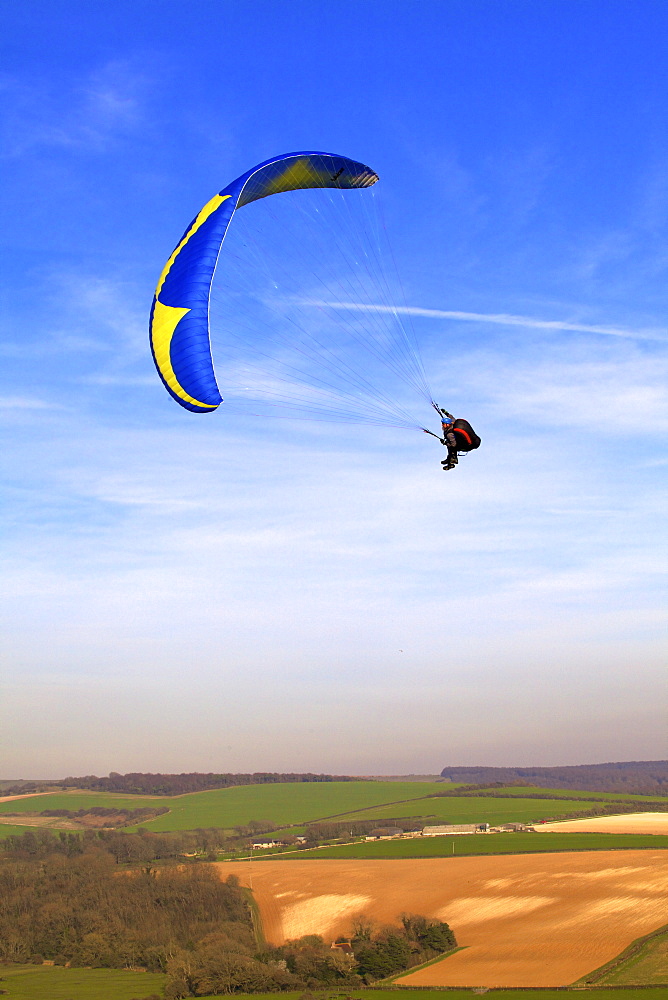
point(619, 392)
point(108, 305)
point(92, 315)
point(502, 319)
point(25, 403)
point(119, 380)
point(89, 115)
point(289, 558)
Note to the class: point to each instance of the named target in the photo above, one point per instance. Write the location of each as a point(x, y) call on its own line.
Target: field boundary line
point(423, 965)
point(256, 918)
point(512, 989)
point(631, 950)
point(308, 856)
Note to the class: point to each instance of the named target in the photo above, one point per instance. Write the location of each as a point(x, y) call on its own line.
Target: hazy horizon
point(380, 776)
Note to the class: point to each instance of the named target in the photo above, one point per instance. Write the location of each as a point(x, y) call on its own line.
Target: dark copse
point(430, 935)
point(386, 955)
point(389, 951)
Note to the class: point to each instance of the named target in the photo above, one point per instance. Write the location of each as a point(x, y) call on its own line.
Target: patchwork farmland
point(295, 805)
point(279, 804)
point(523, 914)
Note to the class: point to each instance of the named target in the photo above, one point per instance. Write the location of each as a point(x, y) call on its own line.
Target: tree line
point(125, 848)
point(309, 962)
point(336, 829)
point(147, 846)
point(168, 784)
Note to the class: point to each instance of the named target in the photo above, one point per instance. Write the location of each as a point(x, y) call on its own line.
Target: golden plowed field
point(525, 920)
point(32, 795)
point(629, 823)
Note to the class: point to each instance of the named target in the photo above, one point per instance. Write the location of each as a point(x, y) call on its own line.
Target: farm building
point(263, 842)
point(455, 828)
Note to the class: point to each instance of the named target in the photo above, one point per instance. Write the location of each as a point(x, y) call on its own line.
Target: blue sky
point(217, 593)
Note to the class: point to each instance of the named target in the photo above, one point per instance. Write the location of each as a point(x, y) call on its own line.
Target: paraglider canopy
point(179, 323)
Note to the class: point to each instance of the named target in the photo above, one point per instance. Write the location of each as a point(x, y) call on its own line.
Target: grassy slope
point(6, 830)
point(648, 967)
point(567, 793)
point(500, 843)
point(281, 804)
point(48, 982)
point(477, 809)
point(81, 800)
point(72, 800)
point(643, 963)
point(657, 993)
point(30, 982)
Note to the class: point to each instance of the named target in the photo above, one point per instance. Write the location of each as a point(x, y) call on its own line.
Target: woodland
point(639, 777)
point(75, 900)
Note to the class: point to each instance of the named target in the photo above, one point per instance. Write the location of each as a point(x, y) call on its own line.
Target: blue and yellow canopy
point(179, 324)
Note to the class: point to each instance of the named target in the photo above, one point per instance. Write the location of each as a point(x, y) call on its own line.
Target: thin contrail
point(503, 319)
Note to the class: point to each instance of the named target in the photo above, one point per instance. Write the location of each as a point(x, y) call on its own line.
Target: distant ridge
point(138, 783)
point(637, 777)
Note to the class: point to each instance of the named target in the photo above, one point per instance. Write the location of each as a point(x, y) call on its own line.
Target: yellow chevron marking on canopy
point(166, 318)
point(202, 216)
point(165, 321)
point(299, 174)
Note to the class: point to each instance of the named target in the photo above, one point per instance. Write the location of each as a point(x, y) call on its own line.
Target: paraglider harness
point(458, 437)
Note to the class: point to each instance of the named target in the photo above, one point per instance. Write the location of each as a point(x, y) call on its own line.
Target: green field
point(7, 831)
point(477, 809)
point(491, 843)
point(49, 982)
point(287, 805)
point(567, 793)
point(648, 967)
point(82, 800)
point(30, 982)
point(72, 800)
point(643, 963)
point(280, 804)
point(407, 993)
